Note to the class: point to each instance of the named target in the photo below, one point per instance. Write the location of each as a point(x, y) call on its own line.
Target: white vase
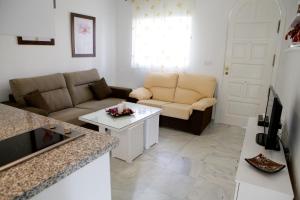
point(120, 108)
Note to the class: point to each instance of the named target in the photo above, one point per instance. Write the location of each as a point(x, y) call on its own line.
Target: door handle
point(226, 70)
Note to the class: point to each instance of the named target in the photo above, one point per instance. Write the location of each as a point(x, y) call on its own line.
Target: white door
point(253, 38)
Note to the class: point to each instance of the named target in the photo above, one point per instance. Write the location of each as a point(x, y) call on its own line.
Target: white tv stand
point(253, 184)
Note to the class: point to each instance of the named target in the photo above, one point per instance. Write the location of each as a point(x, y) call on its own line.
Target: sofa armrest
point(203, 104)
point(36, 110)
point(120, 92)
point(141, 94)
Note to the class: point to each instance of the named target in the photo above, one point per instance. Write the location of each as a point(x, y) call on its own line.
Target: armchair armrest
point(120, 92)
point(36, 110)
point(203, 104)
point(141, 94)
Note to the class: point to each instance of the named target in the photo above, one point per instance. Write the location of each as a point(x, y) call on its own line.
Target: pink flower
point(84, 28)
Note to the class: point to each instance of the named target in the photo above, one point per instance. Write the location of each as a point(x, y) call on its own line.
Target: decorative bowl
point(264, 164)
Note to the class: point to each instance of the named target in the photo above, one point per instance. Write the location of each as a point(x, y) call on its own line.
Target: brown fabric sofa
point(186, 100)
point(67, 95)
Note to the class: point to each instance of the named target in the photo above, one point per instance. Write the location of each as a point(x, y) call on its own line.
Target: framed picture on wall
point(83, 35)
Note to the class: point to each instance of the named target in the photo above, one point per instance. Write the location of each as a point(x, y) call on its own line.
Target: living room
point(195, 75)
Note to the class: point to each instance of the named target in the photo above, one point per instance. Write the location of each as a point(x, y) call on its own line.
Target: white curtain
point(161, 33)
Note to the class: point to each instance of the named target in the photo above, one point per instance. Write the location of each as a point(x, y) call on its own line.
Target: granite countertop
point(27, 179)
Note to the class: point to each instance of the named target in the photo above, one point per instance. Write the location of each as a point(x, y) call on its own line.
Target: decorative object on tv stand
point(294, 32)
point(83, 35)
point(35, 41)
point(264, 164)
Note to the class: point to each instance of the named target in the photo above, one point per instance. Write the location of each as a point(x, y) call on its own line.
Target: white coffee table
point(136, 132)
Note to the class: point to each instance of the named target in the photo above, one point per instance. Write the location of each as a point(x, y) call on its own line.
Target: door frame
point(282, 8)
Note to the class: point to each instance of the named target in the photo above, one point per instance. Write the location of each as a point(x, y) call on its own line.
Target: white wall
point(26, 61)
point(209, 47)
point(209, 39)
point(287, 86)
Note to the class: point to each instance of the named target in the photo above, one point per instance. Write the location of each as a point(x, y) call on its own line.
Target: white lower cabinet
point(131, 143)
point(151, 131)
point(91, 182)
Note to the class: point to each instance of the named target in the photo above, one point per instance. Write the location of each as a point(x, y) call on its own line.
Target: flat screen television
point(269, 139)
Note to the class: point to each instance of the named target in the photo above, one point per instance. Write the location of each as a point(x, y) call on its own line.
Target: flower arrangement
point(116, 112)
point(294, 34)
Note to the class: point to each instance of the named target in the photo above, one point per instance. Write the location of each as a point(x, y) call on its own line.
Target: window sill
point(291, 49)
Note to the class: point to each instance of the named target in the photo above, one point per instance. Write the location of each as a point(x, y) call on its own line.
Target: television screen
point(269, 108)
point(269, 138)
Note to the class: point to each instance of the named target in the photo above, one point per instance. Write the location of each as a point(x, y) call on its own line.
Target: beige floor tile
point(182, 167)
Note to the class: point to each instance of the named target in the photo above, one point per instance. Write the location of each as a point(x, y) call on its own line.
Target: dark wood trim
point(73, 15)
point(34, 42)
point(197, 122)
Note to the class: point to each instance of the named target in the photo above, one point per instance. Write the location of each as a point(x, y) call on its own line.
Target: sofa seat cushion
point(176, 110)
point(70, 115)
point(153, 103)
point(95, 105)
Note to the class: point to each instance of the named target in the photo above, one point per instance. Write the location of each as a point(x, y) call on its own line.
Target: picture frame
point(83, 35)
point(35, 41)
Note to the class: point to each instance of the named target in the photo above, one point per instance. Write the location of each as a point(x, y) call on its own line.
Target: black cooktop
point(27, 145)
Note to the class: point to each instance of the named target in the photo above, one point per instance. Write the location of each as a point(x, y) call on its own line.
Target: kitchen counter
point(31, 177)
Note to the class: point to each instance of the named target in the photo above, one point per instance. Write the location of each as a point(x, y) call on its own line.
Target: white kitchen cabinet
point(31, 18)
point(91, 182)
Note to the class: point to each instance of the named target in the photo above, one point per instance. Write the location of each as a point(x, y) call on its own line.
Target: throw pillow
point(35, 99)
point(100, 89)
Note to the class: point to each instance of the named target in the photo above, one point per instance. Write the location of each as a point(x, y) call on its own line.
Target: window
point(161, 34)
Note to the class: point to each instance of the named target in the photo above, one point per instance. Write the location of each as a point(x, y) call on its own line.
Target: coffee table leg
point(151, 131)
point(131, 143)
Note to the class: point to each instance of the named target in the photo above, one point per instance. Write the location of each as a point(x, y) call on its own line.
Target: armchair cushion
point(202, 84)
point(162, 85)
point(141, 94)
point(153, 103)
point(203, 104)
point(177, 110)
point(185, 96)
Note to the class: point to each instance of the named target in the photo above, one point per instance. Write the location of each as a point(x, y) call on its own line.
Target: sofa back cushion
point(78, 85)
point(193, 87)
point(162, 85)
point(53, 88)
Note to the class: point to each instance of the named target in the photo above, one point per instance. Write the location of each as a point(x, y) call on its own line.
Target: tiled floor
point(182, 167)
